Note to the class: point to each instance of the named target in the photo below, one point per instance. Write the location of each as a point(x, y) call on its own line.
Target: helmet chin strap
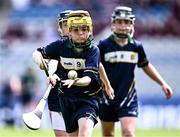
point(121, 35)
point(80, 45)
point(84, 45)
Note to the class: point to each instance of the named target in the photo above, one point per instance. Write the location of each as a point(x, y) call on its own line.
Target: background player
point(56, 118)
point(120, 53)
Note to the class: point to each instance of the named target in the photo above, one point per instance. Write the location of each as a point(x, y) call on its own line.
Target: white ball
point(72, 74)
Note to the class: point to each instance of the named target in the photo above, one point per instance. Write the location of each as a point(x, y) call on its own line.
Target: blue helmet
point(63, 16)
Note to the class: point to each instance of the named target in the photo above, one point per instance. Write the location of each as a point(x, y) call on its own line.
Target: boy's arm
point(151, 71)
point(84, 81)
point(103, 76)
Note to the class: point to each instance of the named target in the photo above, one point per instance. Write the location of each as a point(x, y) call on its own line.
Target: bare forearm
point(36, 56)
point(52, 64)
point(84, 81)
point(103, 75)
point(151, 71)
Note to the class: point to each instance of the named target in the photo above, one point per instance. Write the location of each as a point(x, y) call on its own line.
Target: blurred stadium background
point(28, 24)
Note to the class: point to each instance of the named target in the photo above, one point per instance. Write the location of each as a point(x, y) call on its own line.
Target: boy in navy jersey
point(120, 53)
point(78, 97)
point(56, 118)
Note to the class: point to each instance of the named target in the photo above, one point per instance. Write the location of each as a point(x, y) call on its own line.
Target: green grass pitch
point(10, 132)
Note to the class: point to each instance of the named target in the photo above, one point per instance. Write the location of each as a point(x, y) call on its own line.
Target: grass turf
point(11, 132)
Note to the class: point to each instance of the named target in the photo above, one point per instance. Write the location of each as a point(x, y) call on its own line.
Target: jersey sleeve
point(50, 51)
point(142, 59)
point(92, 66)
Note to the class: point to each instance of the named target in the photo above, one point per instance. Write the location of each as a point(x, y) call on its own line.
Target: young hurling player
point(56, 118)
point(78, 97)
point(120, 53)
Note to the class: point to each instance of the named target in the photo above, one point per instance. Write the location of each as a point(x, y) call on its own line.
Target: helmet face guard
point(80, 20)
point(123, 13)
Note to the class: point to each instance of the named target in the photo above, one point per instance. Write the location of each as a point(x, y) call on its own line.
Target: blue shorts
point(73, 108)
point(112, 111)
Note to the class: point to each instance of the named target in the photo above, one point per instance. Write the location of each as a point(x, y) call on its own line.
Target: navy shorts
point(73, 108)
point(53, 100)
point(112, 111)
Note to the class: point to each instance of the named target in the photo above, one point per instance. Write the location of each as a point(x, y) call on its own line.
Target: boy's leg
point(73, 134)
point(58, 124)
point(128, 126)
point(86, 126)
point(107, 129)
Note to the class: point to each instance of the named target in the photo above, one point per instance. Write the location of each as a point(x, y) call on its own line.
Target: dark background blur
point(153, 17)
point(28, 24)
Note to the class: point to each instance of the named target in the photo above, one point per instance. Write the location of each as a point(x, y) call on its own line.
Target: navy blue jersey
point(119, 63)
point(85, 63)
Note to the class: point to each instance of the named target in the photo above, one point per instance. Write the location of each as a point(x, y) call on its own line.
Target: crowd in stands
point(153, 17)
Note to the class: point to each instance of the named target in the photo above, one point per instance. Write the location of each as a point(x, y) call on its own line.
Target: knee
point(108, 133)
point(59, 133)
point(128, 133)
point(84, 132)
